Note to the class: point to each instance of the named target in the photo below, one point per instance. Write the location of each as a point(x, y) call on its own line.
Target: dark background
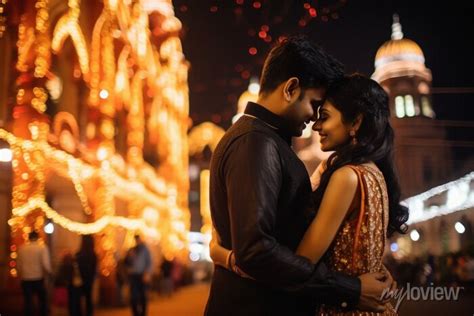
point(217, 36)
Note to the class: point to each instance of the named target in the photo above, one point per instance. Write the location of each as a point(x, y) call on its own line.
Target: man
point(260, 197)
point(138, 261)
point(33, 266)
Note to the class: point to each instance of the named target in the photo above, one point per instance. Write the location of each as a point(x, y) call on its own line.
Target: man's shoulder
point(247, 129)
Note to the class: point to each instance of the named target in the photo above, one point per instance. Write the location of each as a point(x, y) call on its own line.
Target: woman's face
point(333, 132)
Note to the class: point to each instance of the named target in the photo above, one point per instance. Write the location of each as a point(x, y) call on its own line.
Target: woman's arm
point(336, 202)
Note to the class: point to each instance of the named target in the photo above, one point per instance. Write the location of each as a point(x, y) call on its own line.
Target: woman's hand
point(219, 254)
point(223, 256)
point(215, 239)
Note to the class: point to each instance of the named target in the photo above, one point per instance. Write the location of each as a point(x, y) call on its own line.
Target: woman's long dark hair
point(358, 95)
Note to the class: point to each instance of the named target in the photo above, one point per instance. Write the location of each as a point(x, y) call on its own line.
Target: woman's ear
point(291, 88)
point(357, 122)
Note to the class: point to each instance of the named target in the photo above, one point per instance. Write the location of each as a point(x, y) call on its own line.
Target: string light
point(43, 55)
point(78, 171)
point(461, 199)
point(160, 70)
point(205, 208)
point(83, 228)
point(3, 18)
point(68, 25)
point(72, 170)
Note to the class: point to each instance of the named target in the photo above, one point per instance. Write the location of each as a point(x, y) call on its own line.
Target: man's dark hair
point(33, 235)
point(299, 57)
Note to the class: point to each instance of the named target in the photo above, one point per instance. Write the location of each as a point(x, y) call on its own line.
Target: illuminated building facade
point(422, 154)
point(93, 129)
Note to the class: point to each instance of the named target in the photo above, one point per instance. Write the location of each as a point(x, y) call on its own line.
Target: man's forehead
point(316, 94)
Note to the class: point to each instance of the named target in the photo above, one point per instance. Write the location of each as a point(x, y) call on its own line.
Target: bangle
point(228, 260)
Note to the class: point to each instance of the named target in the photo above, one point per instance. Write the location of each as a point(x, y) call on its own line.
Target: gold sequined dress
point(360, 242)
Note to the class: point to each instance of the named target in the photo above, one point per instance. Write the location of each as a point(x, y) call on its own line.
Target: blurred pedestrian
point(166, 279)
point(34, 266)
point(86, 259)
point(138, 261)
point(121, 276)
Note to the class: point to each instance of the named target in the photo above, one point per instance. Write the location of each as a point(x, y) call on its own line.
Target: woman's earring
point(354, 139)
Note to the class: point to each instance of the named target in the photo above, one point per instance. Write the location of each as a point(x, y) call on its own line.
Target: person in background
point(86, 259)
point(138, 261)
point(70, 276)
point(121, 277)
point(166, 279)
point(34, 266)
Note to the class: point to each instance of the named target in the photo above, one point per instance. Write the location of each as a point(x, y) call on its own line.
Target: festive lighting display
point(68, 25)
point(205, 134)
point(5, 155)
point(459, 197)
point(205, 208)
point(3, 18)
point(201, 136)
point(156, 197)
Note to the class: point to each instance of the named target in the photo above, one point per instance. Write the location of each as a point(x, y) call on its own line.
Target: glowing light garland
point(3, 18)
point(68, 25)
point(125, 188)
point(459, 197)
point(83, 228)
point(141, 70)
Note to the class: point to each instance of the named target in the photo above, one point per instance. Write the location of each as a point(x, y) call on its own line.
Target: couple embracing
point(286, 243)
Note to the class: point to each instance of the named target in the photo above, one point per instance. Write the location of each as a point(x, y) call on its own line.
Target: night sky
point(217, 36)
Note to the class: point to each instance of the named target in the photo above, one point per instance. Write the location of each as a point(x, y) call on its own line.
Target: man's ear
point(291, 89)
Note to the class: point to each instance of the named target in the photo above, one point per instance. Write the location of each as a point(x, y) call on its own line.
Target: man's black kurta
point(260, 197)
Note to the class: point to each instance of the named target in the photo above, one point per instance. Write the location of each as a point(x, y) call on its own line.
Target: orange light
point(252, 51)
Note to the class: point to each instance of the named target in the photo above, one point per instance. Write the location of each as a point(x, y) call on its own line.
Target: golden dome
point(402, 49)
point(398, 48)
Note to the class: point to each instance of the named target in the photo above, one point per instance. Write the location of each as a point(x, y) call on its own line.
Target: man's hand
point(372, 288)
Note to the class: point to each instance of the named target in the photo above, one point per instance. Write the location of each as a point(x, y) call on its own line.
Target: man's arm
point(253, 179)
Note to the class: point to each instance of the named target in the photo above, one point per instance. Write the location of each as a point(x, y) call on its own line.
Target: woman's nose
point(317, 126)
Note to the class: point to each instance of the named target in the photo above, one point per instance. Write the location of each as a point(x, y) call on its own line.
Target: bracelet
point(228, 260)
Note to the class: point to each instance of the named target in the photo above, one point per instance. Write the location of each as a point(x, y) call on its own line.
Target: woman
point(349, 229)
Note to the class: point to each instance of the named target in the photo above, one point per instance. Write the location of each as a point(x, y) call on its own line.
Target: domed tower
point(400, 69)
point(422, 154)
